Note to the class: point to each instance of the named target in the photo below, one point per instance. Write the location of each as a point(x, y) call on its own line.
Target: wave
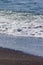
point(21, 24)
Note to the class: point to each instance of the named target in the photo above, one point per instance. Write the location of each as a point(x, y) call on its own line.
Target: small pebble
point(19, 30)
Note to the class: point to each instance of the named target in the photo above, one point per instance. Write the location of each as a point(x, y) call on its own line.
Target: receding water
point(30, 45)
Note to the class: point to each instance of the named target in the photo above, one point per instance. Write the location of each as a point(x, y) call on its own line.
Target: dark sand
point(12, 57)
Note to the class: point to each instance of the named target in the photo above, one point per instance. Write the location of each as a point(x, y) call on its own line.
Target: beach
point(21, 32)
point(13, 57)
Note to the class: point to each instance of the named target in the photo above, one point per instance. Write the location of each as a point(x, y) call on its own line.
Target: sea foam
point(21, 24)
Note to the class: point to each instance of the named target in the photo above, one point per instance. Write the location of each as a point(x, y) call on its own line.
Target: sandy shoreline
point(12, 57)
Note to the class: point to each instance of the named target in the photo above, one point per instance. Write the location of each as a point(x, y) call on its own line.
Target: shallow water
point(30, 45)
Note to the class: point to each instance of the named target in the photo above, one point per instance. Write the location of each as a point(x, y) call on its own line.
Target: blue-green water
point(31, 6)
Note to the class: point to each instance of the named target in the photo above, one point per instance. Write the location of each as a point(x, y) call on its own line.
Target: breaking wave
point(21, 24)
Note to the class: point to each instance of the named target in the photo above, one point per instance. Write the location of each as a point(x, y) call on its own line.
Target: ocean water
point(21, 25)
point(31, 6)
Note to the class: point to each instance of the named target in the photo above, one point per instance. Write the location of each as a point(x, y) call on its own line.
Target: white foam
point(21, 24)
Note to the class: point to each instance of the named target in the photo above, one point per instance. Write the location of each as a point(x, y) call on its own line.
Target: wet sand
point(12, 57)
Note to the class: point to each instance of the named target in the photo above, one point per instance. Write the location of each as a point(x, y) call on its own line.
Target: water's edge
point(28, 45)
